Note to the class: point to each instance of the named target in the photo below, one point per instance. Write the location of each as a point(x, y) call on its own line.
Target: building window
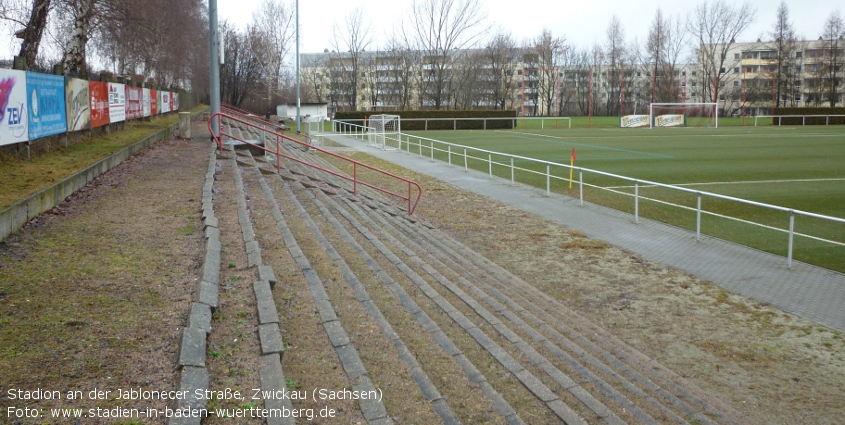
point(736, 56)
point(799, 54)
point(518, 72)
point(736, 83)
point(736, 70)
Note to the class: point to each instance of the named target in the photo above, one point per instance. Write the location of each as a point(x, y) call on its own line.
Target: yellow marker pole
point(571, 166)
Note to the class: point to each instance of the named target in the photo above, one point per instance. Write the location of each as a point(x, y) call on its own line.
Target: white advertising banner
point(13, 121)
point(629, 121)
point(117, 102)
point(146, 103)
point(669, 120)
point(164, 106)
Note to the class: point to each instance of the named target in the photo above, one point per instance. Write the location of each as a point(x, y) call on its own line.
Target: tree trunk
point(74, 58)
point(34, 30)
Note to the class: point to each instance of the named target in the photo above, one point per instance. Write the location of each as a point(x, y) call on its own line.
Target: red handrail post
point(355, 179)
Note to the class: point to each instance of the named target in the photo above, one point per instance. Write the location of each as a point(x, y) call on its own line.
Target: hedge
point(440, 120)
point(810, 120)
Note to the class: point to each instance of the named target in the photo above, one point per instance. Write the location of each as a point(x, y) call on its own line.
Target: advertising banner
point(77, 103)
point(13, 122)
point(46, 112)
point(133, 103)
point(165, 102)
point(669, 120)
point(174, 101)
point(117, 102)
point(629, 121)
point(99, 103)
point(145, 102)
point(153, 102)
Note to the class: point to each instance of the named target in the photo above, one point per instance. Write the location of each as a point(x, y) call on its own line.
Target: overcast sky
point(583, 23)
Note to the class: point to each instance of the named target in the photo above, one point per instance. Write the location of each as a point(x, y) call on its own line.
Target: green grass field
point(801, 168)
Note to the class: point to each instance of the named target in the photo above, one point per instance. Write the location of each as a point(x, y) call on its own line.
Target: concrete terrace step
point(475, 312)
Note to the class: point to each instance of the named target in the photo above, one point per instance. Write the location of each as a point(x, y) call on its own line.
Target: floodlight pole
point(213, 63)
point(298, 116)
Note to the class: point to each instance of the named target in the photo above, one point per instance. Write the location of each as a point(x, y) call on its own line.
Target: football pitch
point(800, 168)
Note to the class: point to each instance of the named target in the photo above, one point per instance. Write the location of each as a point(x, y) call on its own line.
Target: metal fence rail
point(514, 121)
point(461, 155)
point(803, 118)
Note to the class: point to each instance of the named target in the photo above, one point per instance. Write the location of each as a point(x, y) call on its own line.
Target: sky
point(582, 22)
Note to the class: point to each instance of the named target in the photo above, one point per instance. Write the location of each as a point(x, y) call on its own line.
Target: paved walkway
point(808, 291)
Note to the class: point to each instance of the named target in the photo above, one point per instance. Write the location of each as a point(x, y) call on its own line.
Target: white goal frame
point(383, 132)
point(714, 106)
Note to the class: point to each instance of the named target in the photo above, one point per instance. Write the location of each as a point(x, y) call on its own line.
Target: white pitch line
point(739, 182)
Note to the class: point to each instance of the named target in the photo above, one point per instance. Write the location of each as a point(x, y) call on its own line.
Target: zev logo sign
point(14, 115)
point(13, 123)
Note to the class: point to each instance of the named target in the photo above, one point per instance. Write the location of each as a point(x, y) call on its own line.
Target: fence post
point(513, 182)
point(450, 153)
point(490, 163)
point(431, 147)
point(581, 185)
point(791, 236)
point(548, 180)
point(636, 201)
point(466, 161)
point(698, 218)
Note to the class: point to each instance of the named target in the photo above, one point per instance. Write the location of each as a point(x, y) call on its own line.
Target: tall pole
point(214, 63)
point(298, 116)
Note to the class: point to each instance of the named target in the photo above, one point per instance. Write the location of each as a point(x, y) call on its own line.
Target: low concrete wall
point(16, 216)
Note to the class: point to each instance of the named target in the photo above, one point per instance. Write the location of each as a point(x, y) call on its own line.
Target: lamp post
point(214, 63)
point(298, 116)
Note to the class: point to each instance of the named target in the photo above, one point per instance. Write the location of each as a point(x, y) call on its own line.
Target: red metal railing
point(411, 200)
point(247, 115)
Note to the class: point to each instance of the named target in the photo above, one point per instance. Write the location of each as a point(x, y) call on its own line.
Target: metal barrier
point(416, 145)
point(803, 118)
point(514, 121)
point(411, 200)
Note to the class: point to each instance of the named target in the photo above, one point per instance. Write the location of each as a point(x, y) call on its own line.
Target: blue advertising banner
point(13, 124)
point(46, 113)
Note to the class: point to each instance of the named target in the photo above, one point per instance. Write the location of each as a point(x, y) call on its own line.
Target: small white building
point(310, 112)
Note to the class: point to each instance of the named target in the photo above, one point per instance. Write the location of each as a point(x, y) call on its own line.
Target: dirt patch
point(94, 293)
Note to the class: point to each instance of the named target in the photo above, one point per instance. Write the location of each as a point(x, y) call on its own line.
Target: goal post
point(683, 115)
point(383, 131)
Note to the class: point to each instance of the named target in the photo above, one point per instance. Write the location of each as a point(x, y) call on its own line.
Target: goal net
point(383, 132)
point(683, 115)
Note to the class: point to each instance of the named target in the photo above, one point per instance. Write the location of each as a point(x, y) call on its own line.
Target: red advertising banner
point(134, 108)
point(153, 102)
point(99, 92)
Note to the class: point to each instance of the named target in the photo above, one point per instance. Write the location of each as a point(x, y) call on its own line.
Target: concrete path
point(808, 291)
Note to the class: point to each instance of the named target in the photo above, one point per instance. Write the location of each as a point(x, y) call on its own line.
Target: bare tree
point(273, 26)
point(547, 50)
point(500, 64)
point(714, 27)
point(833, 45)
point(33, 20)
point(350, 42)
point(667, 39)
point(615, 52)
point(83, 12)
point(784, 36)
point(439, 28)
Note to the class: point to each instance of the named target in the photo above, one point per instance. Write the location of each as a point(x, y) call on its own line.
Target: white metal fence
point(803, 118)
point(461, 155)
point(550, 122)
